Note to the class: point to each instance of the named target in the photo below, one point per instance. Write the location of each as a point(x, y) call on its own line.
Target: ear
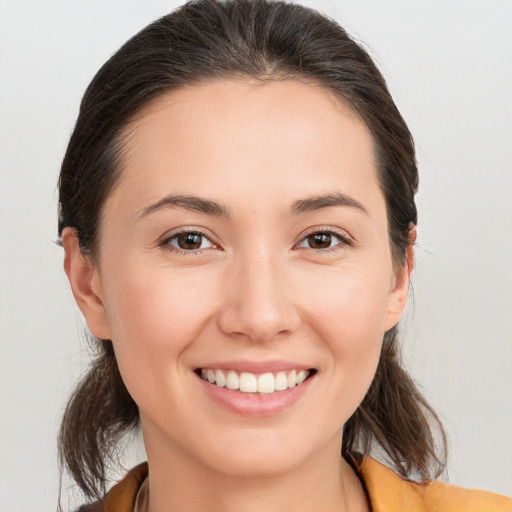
point(400, 289)
point(85, 284)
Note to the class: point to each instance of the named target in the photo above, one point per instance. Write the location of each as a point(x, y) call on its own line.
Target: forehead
point(241, 135)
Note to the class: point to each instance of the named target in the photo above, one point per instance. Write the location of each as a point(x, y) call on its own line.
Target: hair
point(260, 40)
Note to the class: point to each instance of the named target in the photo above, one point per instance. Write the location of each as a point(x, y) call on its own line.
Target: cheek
point(348, 303)
point(347, 311)
point(162, 302)
point(154, 316)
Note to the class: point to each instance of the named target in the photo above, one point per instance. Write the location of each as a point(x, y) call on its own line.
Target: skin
point(254, 291)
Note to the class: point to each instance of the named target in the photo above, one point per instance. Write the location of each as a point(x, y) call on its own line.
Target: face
point(243, 250)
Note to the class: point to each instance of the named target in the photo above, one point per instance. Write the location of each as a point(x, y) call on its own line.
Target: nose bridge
point(259, 305)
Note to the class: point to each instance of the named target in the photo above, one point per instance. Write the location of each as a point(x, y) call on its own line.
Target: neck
point(179, 483)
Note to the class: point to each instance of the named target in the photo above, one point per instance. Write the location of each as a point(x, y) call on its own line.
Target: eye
point(322, 240)
point(188, 241)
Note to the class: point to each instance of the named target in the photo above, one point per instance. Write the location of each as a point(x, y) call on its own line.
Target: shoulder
point(388, 492)
point(121, 498)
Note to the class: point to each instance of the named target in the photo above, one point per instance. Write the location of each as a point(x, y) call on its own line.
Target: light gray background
point(449, 67)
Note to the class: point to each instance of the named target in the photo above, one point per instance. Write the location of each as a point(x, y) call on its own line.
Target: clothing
point(386, 490)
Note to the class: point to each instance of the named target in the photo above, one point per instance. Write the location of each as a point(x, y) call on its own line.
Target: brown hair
point(263, 40)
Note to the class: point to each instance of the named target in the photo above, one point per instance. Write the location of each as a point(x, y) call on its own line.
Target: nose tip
point(258, 306)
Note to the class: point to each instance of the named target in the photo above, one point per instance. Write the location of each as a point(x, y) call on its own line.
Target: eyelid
point(163, 241)
point(340, 233)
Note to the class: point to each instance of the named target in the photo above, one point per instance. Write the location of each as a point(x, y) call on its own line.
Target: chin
point(260, 454)
point(258, 465)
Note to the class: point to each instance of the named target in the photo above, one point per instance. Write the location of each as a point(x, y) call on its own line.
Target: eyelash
point(344, 241)
point(166, 242)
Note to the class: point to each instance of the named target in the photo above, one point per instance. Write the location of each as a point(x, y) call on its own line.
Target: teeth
point(247, 382)
point(292, 379)
point(232, 380)
point(301, 376)
point(220, 378)
point(281, 381)
point(266, 383)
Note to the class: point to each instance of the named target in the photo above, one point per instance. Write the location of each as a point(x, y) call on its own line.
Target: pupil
point(320, 241)
point(189, 240)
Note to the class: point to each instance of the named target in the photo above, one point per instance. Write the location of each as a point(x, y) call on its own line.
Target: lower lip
point(251, 404)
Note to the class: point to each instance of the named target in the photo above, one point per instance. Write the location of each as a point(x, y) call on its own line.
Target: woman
point(238, 219)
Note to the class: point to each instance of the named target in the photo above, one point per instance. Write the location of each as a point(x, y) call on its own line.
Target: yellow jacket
point(390, 493)
point(387, 492)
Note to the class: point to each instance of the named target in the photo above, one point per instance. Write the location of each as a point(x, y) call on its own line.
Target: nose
point(257, 302)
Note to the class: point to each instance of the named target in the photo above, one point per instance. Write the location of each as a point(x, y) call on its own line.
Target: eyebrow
point(210, 207)
point(196, 204)
point(315, 203)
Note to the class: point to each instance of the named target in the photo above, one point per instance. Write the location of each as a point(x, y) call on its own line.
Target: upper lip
point(256, 366)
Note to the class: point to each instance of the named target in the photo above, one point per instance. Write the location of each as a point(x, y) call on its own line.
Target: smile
point(246, 382)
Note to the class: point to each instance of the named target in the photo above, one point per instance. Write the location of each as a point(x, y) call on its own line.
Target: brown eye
point(322, 240)
point(319, 240)
point(189, 241)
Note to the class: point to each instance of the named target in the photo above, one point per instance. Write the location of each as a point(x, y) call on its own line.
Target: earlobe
point(85, 284)
point(400, 292)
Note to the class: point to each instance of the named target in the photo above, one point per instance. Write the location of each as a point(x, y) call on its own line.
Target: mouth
point(254, 383)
